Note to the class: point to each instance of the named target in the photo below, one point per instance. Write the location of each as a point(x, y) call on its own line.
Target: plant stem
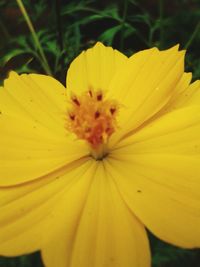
point(35, 37)
point(161, 13)
point(195, 32)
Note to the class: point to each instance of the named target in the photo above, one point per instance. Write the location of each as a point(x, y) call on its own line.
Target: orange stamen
point(92, 118)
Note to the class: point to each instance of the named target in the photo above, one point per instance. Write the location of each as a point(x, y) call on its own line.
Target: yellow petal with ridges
point(94, 68)
point(34, 140)
point(57, 245)
point(27, 211)
point(190, 96)
point(31, 97)
point(157, 172)
point(145, 85)
point(106, 233)
point(167, 207)
point(173, 128)
point(29, 151)
point(181, 87)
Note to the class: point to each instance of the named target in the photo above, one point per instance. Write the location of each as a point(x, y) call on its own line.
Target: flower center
point(93, 118)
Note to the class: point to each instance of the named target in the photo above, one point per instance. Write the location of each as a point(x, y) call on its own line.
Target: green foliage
point(32, 260)
point(129, 25)
point(165, 255)
point(63, 31)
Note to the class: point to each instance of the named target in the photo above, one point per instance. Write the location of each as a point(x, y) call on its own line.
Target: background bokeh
point(64, 28)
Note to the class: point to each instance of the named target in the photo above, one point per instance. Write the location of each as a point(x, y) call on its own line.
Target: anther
point(99, 97)
point(72, 117)
point(112, 110)
point(97, 114)
point(75, 100)
point(90, 93)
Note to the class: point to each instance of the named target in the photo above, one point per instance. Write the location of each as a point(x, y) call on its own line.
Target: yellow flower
point(84, 170)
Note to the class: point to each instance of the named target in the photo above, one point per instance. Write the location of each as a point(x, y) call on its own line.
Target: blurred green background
point(64, 28)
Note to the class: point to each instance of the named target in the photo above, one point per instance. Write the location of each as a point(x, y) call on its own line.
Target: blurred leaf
point(11, 54)
point(15, 60)
point(109, 34)
point(128, 31)
point(73, 7)
point(144, 18)
point(111, 11)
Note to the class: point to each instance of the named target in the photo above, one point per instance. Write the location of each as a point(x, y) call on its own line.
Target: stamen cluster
point(92, 117)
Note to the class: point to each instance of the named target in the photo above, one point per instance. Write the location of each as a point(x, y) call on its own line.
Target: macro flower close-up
point(85, 169)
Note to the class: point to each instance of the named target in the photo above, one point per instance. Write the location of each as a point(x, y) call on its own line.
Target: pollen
point(92, 118)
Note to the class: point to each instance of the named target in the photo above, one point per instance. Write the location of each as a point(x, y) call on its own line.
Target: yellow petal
point(29, 151)
point(57, 244)
point(173, 132)
point(145, 85)
point(190, 96)
point(94, 68)
point(27, 211)
point(106, 233)
point(35, 97)
point(33, 137)
point(157, 172)
point(180, 90)
point(185, 94)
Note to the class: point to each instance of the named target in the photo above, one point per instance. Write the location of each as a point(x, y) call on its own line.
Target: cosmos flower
point(83, 171)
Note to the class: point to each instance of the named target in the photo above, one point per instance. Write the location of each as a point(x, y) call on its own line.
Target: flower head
point(84, 170)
